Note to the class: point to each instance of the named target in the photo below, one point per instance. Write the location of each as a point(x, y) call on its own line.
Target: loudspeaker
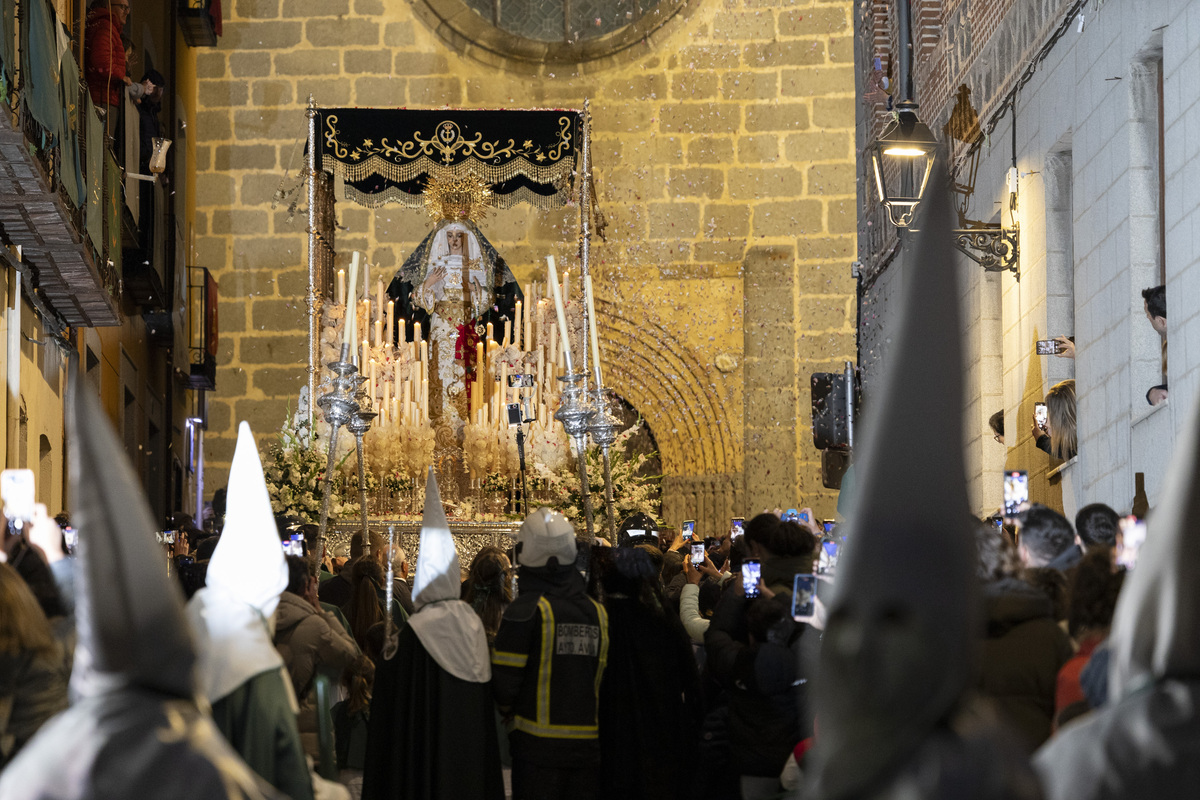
point(834, 464)
point(829, 411)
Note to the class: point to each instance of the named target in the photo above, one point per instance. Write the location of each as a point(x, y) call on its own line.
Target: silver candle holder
point(359, 424)
point(576, 415)
point(339, 406)
point(604, 428)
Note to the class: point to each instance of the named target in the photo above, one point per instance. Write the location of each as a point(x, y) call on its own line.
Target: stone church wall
point(724, 160)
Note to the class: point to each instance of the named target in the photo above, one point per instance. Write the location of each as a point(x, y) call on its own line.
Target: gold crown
point(456, 196)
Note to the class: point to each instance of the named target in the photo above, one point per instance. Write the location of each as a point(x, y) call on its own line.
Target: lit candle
point(558, 309)
point(591, 309)
point(348, 336)
point(504, 339)
point(416, 331)
point(425, 355)
point(391, 322)
point(490, 334)
point(566, 287)
point(366, 353)
point(341, 287)
point(379, 333)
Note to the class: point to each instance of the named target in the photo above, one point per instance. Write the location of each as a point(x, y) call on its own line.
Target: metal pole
point(314, 353)
point(905, 46)
point(340, 408)
point(585, 225)
point(850, 404)
point(521, 455)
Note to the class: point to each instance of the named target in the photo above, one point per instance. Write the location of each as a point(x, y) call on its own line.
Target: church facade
point(723, 155)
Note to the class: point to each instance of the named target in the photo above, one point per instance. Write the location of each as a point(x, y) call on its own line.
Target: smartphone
point(737, 526)
point(520, 381)
point(168, 537)
point(829, 523)
point(804, 598)
point(70, 538)
point(697, 555)
point(1133, 535)
point(1016, 491)
point(1041, 415)
point(688, 529)
point(791, 515)
point(514, 414)
point(1049, 347)
point(751, 574)
point(828, 557)
point(17, 491)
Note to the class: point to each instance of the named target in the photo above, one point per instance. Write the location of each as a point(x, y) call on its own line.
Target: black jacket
point(1023, 650)
point(547, 665)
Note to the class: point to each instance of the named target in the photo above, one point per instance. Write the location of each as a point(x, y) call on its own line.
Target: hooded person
point(547, 667)
point(135, 729)
point(1144, 742)
point(898, 656)
point(432, 731)
point(233, 619)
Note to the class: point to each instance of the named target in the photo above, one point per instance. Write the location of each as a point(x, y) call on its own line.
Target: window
point(550, 30)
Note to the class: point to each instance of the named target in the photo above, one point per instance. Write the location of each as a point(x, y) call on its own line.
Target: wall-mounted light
point(902, 158)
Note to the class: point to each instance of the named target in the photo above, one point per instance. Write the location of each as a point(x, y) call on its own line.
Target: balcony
point(200, 22)
point(202, 328)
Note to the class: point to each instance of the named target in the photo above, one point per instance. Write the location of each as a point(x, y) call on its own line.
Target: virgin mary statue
point(454, 284)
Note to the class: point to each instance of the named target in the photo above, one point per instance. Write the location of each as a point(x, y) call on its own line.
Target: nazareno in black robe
point(431, 735)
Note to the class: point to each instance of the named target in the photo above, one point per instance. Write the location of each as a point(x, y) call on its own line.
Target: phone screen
point(697, 555)
point(17, 491)
point(1041, 415)
point(1133, 535)
point(791, 515)
point(1048, 347)
point(71, 538)
point(829, 523)
point(737, 526)
point(1016, 491)
point(804, 597)
point(751, 574)
point(688, 530)
point(168, 537)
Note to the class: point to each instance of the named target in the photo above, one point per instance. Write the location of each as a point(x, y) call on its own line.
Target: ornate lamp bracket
point(994, 248)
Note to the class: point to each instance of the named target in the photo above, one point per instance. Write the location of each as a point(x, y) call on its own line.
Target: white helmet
point(545, 534)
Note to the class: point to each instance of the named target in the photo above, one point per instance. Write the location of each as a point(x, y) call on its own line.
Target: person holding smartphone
point(761, 656)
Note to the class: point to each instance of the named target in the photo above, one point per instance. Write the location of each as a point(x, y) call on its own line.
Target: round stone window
point(552, 31)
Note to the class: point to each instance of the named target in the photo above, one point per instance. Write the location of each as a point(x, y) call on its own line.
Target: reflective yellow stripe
point(548, 731)
point(603, 651)
point(543, 689)
point(502, 659)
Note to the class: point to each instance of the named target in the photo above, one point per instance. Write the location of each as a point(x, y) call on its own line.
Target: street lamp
point(903, 160)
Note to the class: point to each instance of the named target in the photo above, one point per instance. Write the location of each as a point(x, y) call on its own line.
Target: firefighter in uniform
point(547, 664)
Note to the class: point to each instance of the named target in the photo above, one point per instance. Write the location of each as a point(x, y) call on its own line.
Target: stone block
point(213, 126)
point(814, 81)
point(772, 372)
point(327, 61)
point(328, 92)
point(258, 188)
point(268, 252)
point(842, 216)
point(203, 162)
point(674, 220)
point(256, 9)
point(210, 64)
point(833, 112)
point(831, 179)
point(696, 182)
point(368, 7)
point(239, 284)
point(767, 340)
point(296, 9)
point(743, 25)
point(763, 148)
point(721, 221)
point(689, 85)
point(216, 94)
point(215, 189)
point(821, 314)
point(794, 53)
point(710, 150)
point(769, 268)
point(814, 21)
point(751, 183)
point(788, 218)
point(262, 415)
point(239, 221)
point(624, 118)
point(420, 63)
point(819, 146)
point(644, 86)
point(435, 91)
point(220, 412)
point(720, 251)
point(399, 34)
point(373, 61)
point(278, 381)
point(772, 407)
point(278, 315)
point(233, 382)
point(489, 90)
point(250, 64)
point(347, 31)
point(826, 346)
point(271, 93)
point(707, 56)
point(777, 117)
point(232, 314)
point(841, 50)
point(256, 35)
point(746, 85)
point(380, 92)
point(293, 283)
point(826, 248)
point(399, 225)
point(700, 118)
point(212, 251)
point(274, 348)
point(269, 123)
point(244, 156)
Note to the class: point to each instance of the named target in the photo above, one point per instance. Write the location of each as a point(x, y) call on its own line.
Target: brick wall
point(731, 128)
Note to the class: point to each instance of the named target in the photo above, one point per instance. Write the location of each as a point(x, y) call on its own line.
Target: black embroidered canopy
point(388, 155)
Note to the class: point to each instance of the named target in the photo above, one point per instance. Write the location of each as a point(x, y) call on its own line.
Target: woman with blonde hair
point(33, 670)
point(1059, 439)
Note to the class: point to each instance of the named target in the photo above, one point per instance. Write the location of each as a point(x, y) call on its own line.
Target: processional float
point(451, 162)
